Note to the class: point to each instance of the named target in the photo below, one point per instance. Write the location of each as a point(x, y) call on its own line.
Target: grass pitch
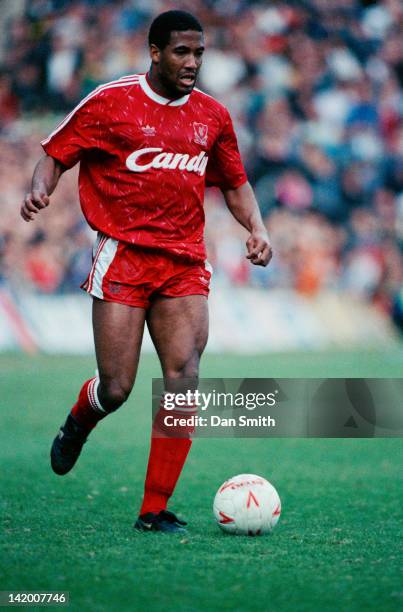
point(336, 546)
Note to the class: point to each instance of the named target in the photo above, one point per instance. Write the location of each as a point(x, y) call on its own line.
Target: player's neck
point(158, 87)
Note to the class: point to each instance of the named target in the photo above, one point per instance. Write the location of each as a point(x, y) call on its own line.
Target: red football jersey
point(145, 161)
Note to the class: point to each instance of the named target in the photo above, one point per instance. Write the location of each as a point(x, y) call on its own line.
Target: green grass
point(335, 548)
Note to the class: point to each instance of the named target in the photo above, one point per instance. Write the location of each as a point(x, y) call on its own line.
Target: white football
point(247, 505)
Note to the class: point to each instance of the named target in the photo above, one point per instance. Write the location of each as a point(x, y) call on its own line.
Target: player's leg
point(179, 330)
point(118, 332)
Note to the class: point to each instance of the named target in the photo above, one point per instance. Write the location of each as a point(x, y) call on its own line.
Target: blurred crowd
point(315, 90)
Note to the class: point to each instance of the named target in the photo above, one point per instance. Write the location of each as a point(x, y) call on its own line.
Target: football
point(247, 505)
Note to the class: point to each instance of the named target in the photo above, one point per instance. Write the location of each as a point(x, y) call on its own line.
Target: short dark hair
point(171, 21)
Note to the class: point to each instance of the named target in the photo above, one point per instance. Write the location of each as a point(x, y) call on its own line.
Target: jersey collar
point(160, 99)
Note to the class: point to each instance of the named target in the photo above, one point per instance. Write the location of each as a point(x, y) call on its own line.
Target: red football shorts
point(131, 275)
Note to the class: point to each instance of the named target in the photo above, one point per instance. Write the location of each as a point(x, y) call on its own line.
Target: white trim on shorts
point(104, 252)
point(208, 266)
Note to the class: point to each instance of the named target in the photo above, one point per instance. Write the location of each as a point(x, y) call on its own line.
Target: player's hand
point(33, 203)
point(259, 248)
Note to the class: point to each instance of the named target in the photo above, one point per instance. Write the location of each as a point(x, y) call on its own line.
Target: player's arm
point(244, 207)
point(44, 180)
point(79, 132)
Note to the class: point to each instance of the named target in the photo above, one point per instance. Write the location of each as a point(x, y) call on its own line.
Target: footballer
point(148, 144)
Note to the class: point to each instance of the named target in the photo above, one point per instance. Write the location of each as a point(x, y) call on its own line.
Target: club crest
point(200, 133)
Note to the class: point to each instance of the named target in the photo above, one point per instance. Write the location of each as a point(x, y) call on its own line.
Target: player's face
point(178, 64)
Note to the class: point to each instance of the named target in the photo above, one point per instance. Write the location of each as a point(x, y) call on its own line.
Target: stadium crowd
point(315, 90)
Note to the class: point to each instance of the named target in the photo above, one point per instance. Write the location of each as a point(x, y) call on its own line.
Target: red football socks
point(167, 453)
point(167, 458)
point(87, 411)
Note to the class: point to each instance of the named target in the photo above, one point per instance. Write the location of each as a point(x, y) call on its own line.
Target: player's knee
point(113, 394)
point(183, 367)
point(185, 370)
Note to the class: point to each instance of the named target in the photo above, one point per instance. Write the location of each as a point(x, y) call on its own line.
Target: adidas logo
point(148, 130)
